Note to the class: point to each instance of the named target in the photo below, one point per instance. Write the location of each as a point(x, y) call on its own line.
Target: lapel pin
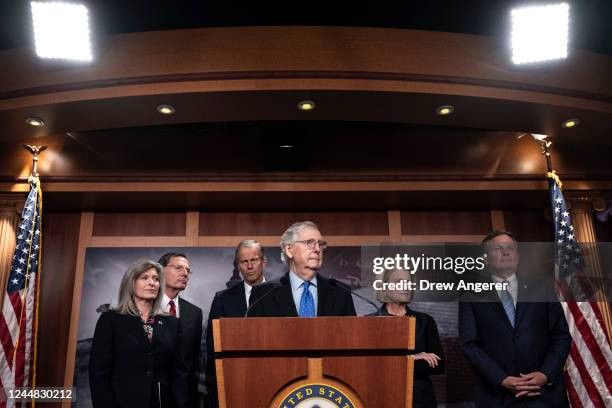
point(160, 322)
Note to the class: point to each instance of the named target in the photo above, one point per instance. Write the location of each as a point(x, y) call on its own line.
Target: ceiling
point(373, 134)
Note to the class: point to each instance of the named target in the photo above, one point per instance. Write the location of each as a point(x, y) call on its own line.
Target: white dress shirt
point(166, 307)
point(247, 290)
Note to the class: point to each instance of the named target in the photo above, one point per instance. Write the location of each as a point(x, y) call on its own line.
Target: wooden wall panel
point(275, 223)
point(529, 225)
point(139, 224)
point(60, 244)
point(603, 230)
point(446, 222)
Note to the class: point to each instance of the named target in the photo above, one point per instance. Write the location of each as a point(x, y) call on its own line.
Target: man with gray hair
point(234, 301)
point(302, 291)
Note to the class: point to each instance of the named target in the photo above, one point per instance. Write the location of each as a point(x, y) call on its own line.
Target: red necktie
point(172, 308)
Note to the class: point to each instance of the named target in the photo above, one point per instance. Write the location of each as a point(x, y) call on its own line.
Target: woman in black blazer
point(136, 356)
point(428, 353)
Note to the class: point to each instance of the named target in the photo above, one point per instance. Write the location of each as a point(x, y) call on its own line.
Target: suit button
point(150, 354)
point(149, 373)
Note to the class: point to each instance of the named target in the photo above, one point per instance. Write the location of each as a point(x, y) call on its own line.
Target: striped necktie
point(508, 304)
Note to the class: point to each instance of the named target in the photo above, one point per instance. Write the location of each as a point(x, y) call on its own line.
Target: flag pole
point(35, 151)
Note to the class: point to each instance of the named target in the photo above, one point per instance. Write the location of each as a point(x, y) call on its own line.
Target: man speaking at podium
point(302, 291)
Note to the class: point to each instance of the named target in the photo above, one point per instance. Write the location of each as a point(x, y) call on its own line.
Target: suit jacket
point(230, 302)
point(333, 300)
point(126, 370)
point(540, 341)
point(191, 323)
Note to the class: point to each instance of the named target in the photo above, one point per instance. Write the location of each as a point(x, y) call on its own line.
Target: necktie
point(307, 302)
point(508, 304)
point(172, 308)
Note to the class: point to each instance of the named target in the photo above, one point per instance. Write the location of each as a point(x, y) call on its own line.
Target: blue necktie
point(307, 302)
point(508, 305)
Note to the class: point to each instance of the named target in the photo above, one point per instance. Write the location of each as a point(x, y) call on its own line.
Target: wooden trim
point(138, 241)
point(395, 225)
point(192, 227)
point(315, 369)
point(217, 336)
point(441, 238)
point(301, 185)
point(266, 240)
point(85, 234)
point(411, 338)
point(409, 381)
point(497, 220)
point(220, 383)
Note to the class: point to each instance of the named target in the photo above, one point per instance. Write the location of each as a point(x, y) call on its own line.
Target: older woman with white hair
point(136, 355)
point(302, 291)
point(428, 352)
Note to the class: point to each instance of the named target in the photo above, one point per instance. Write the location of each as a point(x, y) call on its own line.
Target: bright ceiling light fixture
point(61, 30)
point(540, 33)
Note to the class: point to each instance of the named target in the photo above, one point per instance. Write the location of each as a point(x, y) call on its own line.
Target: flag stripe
point(587, 381)
point(595, 359)
point(572, 394)
point(600, 319)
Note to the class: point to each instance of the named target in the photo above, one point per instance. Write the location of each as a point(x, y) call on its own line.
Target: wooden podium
point(301, 362)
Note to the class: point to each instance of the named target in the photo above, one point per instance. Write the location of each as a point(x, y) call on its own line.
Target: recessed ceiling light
point(570, 123)
point(286, 146)
point(445, 110)
point(306, 105)
point(539, 33)
point(61, 30)
point(36, 122)
point(165, 109)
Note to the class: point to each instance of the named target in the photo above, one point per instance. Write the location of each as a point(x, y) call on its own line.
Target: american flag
point(19, 318)
point(588, 371)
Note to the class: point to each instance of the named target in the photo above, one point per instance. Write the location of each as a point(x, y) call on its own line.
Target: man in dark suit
point(516, 347)
point(302, 291)
point(233, 302)
point(177, 272)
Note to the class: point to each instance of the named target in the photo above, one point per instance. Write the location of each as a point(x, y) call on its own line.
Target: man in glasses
point(176, 274)
point(234, 301)
point(302, 291)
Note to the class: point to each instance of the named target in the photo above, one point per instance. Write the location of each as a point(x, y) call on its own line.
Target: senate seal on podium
point(316, 396)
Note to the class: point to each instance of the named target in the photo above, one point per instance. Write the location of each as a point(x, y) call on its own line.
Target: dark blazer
point(191, 323)
point(540, 341)
point(427, 340)
point(126, 370)
point(333, 300)
point(230, 302)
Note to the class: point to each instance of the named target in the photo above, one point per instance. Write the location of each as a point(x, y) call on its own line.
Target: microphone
point(336, 282)
point(274, 287)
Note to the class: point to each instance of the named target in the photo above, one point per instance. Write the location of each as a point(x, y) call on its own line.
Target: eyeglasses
point(180, 268)
point(311, 243)
point(253, 261)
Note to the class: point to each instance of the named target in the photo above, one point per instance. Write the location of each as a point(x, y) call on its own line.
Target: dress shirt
point(297, 288)
point(166, 307)
point(247, 290)
point(512, 285)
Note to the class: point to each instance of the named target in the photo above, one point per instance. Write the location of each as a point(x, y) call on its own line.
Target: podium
point(346, 362)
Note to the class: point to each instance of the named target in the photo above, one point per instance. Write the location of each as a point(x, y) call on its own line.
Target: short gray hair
point(249, 243)
point(125, 304)
point(381, 295)
point(291, 235)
